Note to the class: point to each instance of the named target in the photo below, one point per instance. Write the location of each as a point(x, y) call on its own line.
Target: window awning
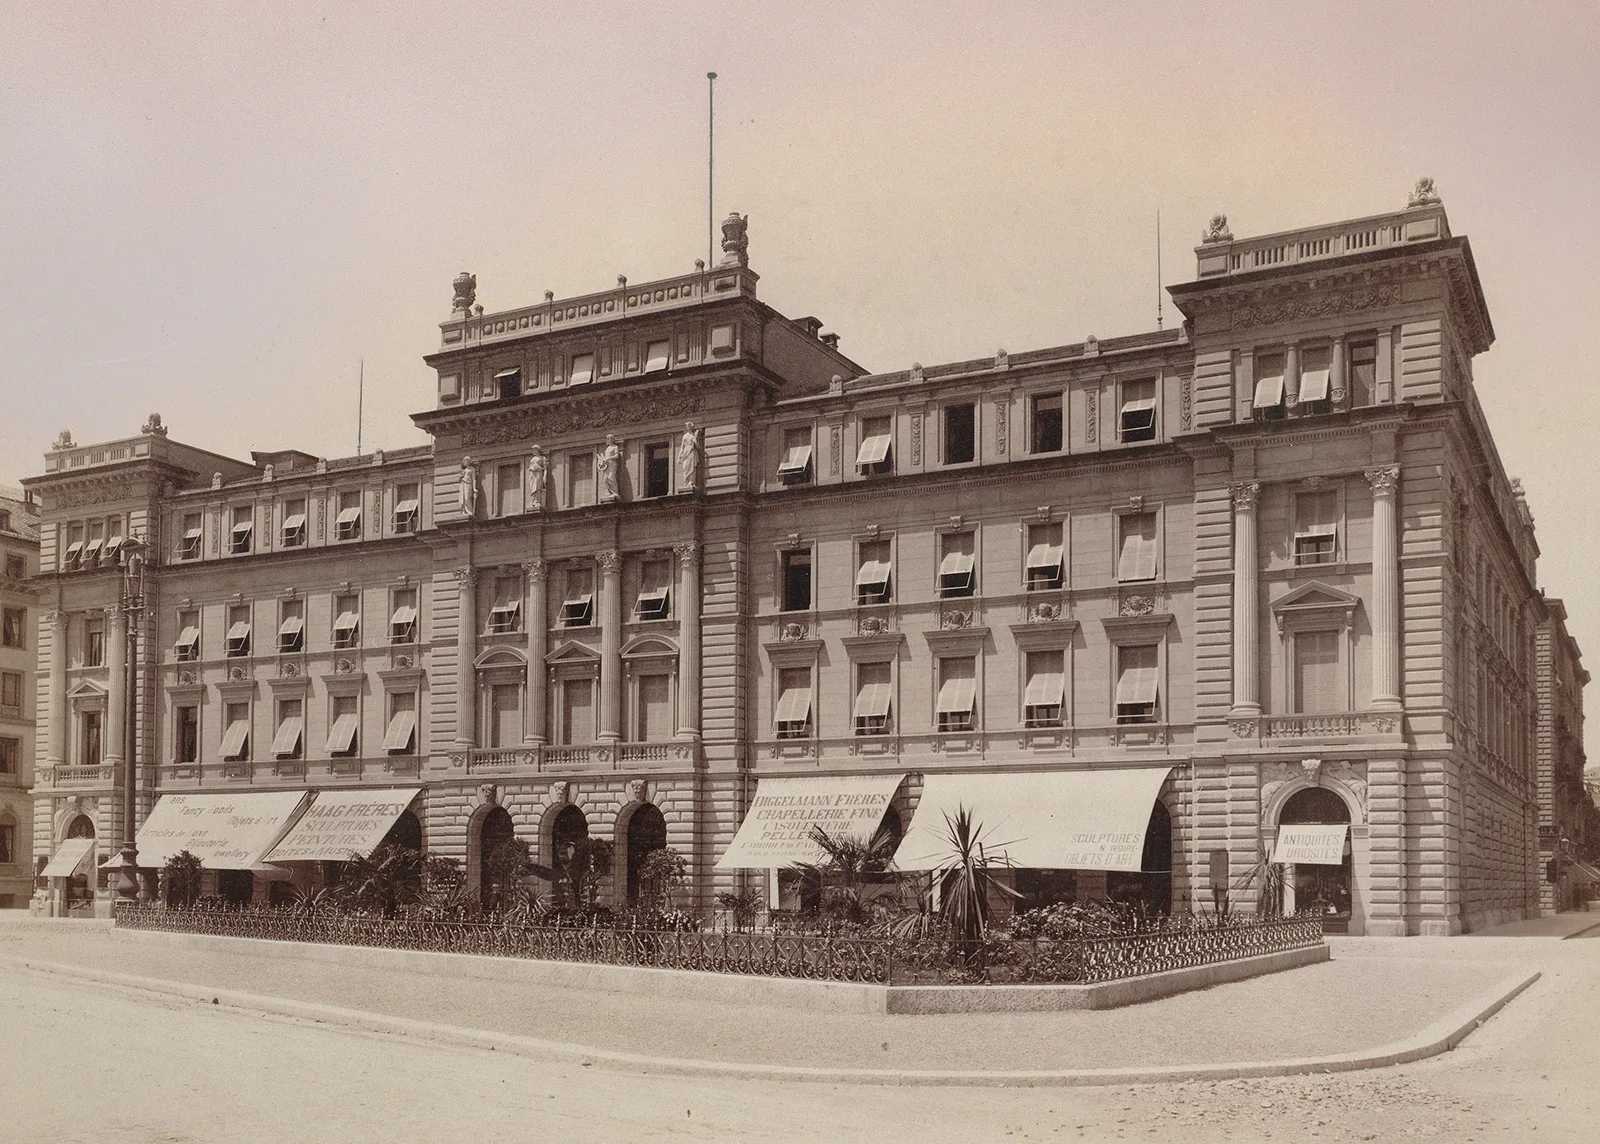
point(872, 572)
point(346, 622)
point(406, 507)
point(239, 631)
point(287, 741)
point(795, 459)
point(233, 739)
point(656, 356)
point(224, 831)
point(956, 564)
point(1311, 845)
point(340, 824)
point(1060, 820)
point(187, 639)
point(1139, 405)
point(1045, 689)
point(874, 449)
point(70, 855)
point(77, 546)
point(1045, 554)
point(582, 370)
point(776, 830)
point(291, 626)
point(956, 695)
point(342, 736)
point(794, 706)
point(243, 527)
point(1314, 385)
point(91, 549)
point(872, 701)
point(1584, 872)
point(1137, 684)
point(403, 615)
point(400, 731)
point(294, 522)
point(349, 515)
point(1269, 392)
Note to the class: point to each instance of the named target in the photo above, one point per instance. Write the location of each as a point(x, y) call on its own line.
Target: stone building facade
point(1560, 678)
point(666, 544)
point(19, 620)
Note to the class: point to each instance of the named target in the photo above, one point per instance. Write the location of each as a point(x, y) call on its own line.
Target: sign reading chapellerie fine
point(1313, 845)
point(777, 828)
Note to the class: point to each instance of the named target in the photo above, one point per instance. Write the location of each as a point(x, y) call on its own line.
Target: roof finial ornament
point(1423, 194)
point(63, 440)
point(152, 426)
point(736, 240)
point(1217, 230)
point(466, 286)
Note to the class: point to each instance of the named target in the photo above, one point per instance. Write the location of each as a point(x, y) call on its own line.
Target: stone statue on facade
point(216, 480)
point(1423, 194)
point(467, 488)
point(1218, 230)
point(607, 466)
point(63, 440)
point(689, 450)
point(538, 479)
point(152, 426)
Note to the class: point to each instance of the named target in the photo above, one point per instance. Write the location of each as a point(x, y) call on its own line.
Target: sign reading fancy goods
point(224, 831)
point(777, 828)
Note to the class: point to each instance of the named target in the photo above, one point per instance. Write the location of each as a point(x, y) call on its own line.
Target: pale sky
point(216, 213)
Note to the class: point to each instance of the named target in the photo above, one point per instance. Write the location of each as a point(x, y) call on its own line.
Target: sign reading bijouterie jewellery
point(224, 831)
point(1313, 845)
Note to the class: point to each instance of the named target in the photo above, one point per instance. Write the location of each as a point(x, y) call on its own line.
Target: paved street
point(93, 1062)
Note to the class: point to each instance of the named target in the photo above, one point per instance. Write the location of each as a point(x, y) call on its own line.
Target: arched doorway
point(1325, 889)
point(78, 888)
point(494, 831)
point(406, 832)
point(567, 835)
point(1151, 888)
point(647, 832)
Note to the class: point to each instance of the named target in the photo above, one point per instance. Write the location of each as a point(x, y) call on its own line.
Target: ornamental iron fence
point(1178, 944)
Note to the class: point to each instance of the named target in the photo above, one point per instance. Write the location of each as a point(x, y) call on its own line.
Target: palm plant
point(384, 881)
point(661, 874)
point(742, 905)
point(1266, 878)
point(964, 880)
point(848, 866)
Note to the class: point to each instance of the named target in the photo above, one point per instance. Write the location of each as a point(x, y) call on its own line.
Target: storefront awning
point(1311, 845)
point(1060, 820)
point(1584, 872)
point(341, 823)
point(777, 829)
point(224, 831)
point(69, 857)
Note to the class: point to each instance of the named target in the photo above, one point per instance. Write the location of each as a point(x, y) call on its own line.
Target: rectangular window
point(238, 630)
point(654, 712)
point(577, 711)
point(657, 469)
point(1136, 683)
point(657, 355)
point(91, 550)
point(1137, 419)
point(1267, 401)
point(796, 575)
point(1043, 694)
point(293, 533)
point(957, 693)
point(793, 715)
point(94, 643)
point(960, 433)
point(873, 578)
point(8, 848)
point(582, 372)
point(508, 489)
point(876, 454)
point(505, 613)
point(113, 539)
point(403, 620)
point(11, 691)
point(348, 524)
point(1136, 546)
point(343, 740)
point(185, 733)
point(291, 725)
point(1044, 411)
point(292, 626)
point(236, 736)
point(189, 540)
point(794, 468)
point(505, 715)
point(187, 646)
point(407, 507)
point(240, 530)
point(13, 627)
point(89, 747)
point(1363, 381)
point(10, 755)
point(1316, 528)
point(508, 383)
point(1045, 568)
point(400, 737)
point(654, 596)
point(580, 479)
point(577, 602)
point(346, 621)
point(74, 552)
point(16, 566)
point(958, 566)
point(1314, 368)
point(1317, 684)
point(872, 698)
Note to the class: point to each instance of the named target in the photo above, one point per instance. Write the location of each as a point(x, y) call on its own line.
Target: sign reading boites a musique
point(777, 829)
point(341, 823)
point(1312, 845)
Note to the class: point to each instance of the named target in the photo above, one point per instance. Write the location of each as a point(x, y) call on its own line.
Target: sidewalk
point(1349, 1005)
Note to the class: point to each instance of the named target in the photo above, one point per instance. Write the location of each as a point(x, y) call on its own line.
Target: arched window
point(406, 831)
point(647, 832)
point(494, 831)
point(1324, 889)
point(81, 827)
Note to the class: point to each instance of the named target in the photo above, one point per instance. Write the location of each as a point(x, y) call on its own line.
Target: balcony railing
point(1314, 244)
point(539, 757)
point(101, 774)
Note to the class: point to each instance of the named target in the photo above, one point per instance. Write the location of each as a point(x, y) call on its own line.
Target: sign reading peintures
point(777, 828)
point(1313, 845)
point(341, 823)
point(224, 831)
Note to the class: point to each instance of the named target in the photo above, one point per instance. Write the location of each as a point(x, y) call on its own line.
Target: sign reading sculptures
point(341, 823)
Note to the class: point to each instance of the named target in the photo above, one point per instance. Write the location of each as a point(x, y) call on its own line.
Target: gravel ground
point(1310, 1011)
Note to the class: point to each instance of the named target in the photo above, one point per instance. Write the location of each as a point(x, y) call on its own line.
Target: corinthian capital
point(1384, 479)
point(610, 562)
point(537, 569)
point(688, 553)
point(463, 577)
point(1244, 495)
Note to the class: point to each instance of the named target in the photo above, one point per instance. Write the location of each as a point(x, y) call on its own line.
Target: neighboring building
point(668, 545)
point(19, 613)
point(1563, 800)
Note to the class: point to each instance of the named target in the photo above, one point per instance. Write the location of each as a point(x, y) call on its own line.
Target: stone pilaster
point(116, 732)
point(467, 655)
point(1246, 608)
point(1337, 386)
point(56, 742)
point(1385, 482)
point(536, 575)
point(610, 646)
point(688, 593)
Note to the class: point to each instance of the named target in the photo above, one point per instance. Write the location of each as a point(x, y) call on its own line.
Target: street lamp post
point(128, 885)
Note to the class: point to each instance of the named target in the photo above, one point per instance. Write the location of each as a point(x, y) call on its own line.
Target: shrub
point(181, 876)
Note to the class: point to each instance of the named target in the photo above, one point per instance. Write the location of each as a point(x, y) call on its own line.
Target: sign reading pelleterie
point(341, 823)
point(777, 828)
point(224, 831)
point(1313, 845)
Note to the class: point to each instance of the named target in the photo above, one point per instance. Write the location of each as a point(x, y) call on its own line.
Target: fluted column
point(1337, 390)
point(467, 655)
point(688, 608)
point(1385, 483)
point(536, 572)
point(116, 731)
point(56, 745)
point(1246, 613)
point(610, 646)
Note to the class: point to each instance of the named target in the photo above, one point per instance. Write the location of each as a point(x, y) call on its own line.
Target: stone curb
point(1581, 932)
point(1439, 1037)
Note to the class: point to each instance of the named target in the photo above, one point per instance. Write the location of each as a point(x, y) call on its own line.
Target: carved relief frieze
point(608, 409)
point(916, 438)
point(1266, 313)
point(833, 450)
point(1000, 428)
point(1091, 425)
